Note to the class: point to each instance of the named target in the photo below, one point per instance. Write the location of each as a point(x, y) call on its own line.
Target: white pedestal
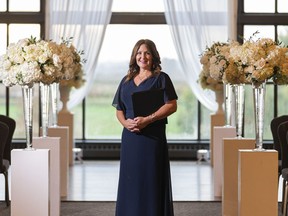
point(230, 173)
point(219, 134)
point(67, 119)
point(53, 144)
point(258, 183)
point(216, 120)
point(63, 133)
point(30, 182)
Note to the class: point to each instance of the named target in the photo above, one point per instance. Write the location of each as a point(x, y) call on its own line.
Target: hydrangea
point(32, 61)
point(254, 61)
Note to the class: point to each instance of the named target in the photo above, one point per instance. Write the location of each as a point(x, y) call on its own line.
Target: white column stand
point(52, 143)
point(63, 133)
point(258, 183)
point(219, 134)
point(30, 182)
point(67, 119)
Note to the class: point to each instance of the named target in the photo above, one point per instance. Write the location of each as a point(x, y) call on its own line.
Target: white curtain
point(86, 22)
point(195, 24)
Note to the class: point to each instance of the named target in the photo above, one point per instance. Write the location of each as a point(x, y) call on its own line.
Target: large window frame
point(151, 18)
point(14, 17)
point(274, 19)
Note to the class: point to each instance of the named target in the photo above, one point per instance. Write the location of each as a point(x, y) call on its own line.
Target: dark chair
point(276, 142)
point(282, 135)
point(4, 164)
point(7, 150)
point(12, 125)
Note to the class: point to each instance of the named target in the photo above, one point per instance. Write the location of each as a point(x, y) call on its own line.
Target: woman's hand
point(131, 125)
point(141, 122)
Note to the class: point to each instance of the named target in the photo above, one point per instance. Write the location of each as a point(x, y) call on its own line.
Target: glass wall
point(256, 16)
point(113, 65)
point(100, 120)
point(10, 32)
point(95, 117)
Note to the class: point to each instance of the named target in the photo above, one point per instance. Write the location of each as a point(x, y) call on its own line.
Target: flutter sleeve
point(169, 90)
point(117, 102)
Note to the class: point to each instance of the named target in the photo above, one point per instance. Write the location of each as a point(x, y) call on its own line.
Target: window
point(269, 17)
point(100, 120)
point(13, 28)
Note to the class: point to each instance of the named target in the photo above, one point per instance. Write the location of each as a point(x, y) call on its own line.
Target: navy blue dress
point(144, 182)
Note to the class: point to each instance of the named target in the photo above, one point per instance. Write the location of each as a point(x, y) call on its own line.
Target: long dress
point(144, 181)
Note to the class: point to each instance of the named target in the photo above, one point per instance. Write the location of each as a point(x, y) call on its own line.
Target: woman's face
point(144, 58)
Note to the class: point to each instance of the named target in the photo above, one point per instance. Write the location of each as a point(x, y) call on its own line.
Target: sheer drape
point(86, 22)
point(195, 24)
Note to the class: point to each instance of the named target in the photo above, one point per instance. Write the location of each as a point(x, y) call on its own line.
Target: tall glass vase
point(54, 89)
point(227, 103)
point(27, 94)
point(259, 105)
point(44, 98)
point(239, 97)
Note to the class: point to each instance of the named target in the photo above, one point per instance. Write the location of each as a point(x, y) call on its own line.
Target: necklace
point(142, 78)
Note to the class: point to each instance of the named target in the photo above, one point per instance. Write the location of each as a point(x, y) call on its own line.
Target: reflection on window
point(282, 99)
point(3, 6)
point(20, 31)
point(3, 38)
point(27, 5)
point(264, 31)
point(259, 6)
point(283, 34)
point(112, 66)
point(138, 6)
point(282, 6)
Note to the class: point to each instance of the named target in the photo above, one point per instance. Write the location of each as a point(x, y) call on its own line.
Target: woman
point(144, 183)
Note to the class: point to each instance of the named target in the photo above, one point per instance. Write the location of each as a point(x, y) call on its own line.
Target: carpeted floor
point(74, 208)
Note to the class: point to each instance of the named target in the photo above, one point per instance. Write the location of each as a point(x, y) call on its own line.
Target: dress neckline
point(141, 81)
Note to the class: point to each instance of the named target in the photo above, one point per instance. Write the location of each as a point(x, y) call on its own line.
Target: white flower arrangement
point(208, 82)
point(32, 61)
point(73, 71)
point(216, 64)
point(211, 75)
point(251, 62)
point(259, 60)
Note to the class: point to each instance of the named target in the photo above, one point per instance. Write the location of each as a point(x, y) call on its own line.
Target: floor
point(97, 181)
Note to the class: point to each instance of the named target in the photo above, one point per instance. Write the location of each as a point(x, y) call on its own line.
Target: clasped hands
point(136, 124)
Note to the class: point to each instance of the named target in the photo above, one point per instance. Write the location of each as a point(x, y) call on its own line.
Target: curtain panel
point(86, 22)
point(194, 25)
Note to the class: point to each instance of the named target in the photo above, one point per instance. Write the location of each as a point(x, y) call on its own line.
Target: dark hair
point(134, 68)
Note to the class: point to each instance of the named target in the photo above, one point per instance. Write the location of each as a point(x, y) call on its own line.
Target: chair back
point(4, 132)
point(274, 130)
point(282, 134)
point(11, 123)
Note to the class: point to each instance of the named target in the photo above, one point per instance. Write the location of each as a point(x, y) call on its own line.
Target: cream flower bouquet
point(72, 65)
point(259, 60)
point(32, 61)
point(215, 62)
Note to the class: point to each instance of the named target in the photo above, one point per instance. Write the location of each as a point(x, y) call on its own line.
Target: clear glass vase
point(259, 110)
point(54, 90)
point(44, 98)
point(239, 97)
point(27, 94)
point(227, 103)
